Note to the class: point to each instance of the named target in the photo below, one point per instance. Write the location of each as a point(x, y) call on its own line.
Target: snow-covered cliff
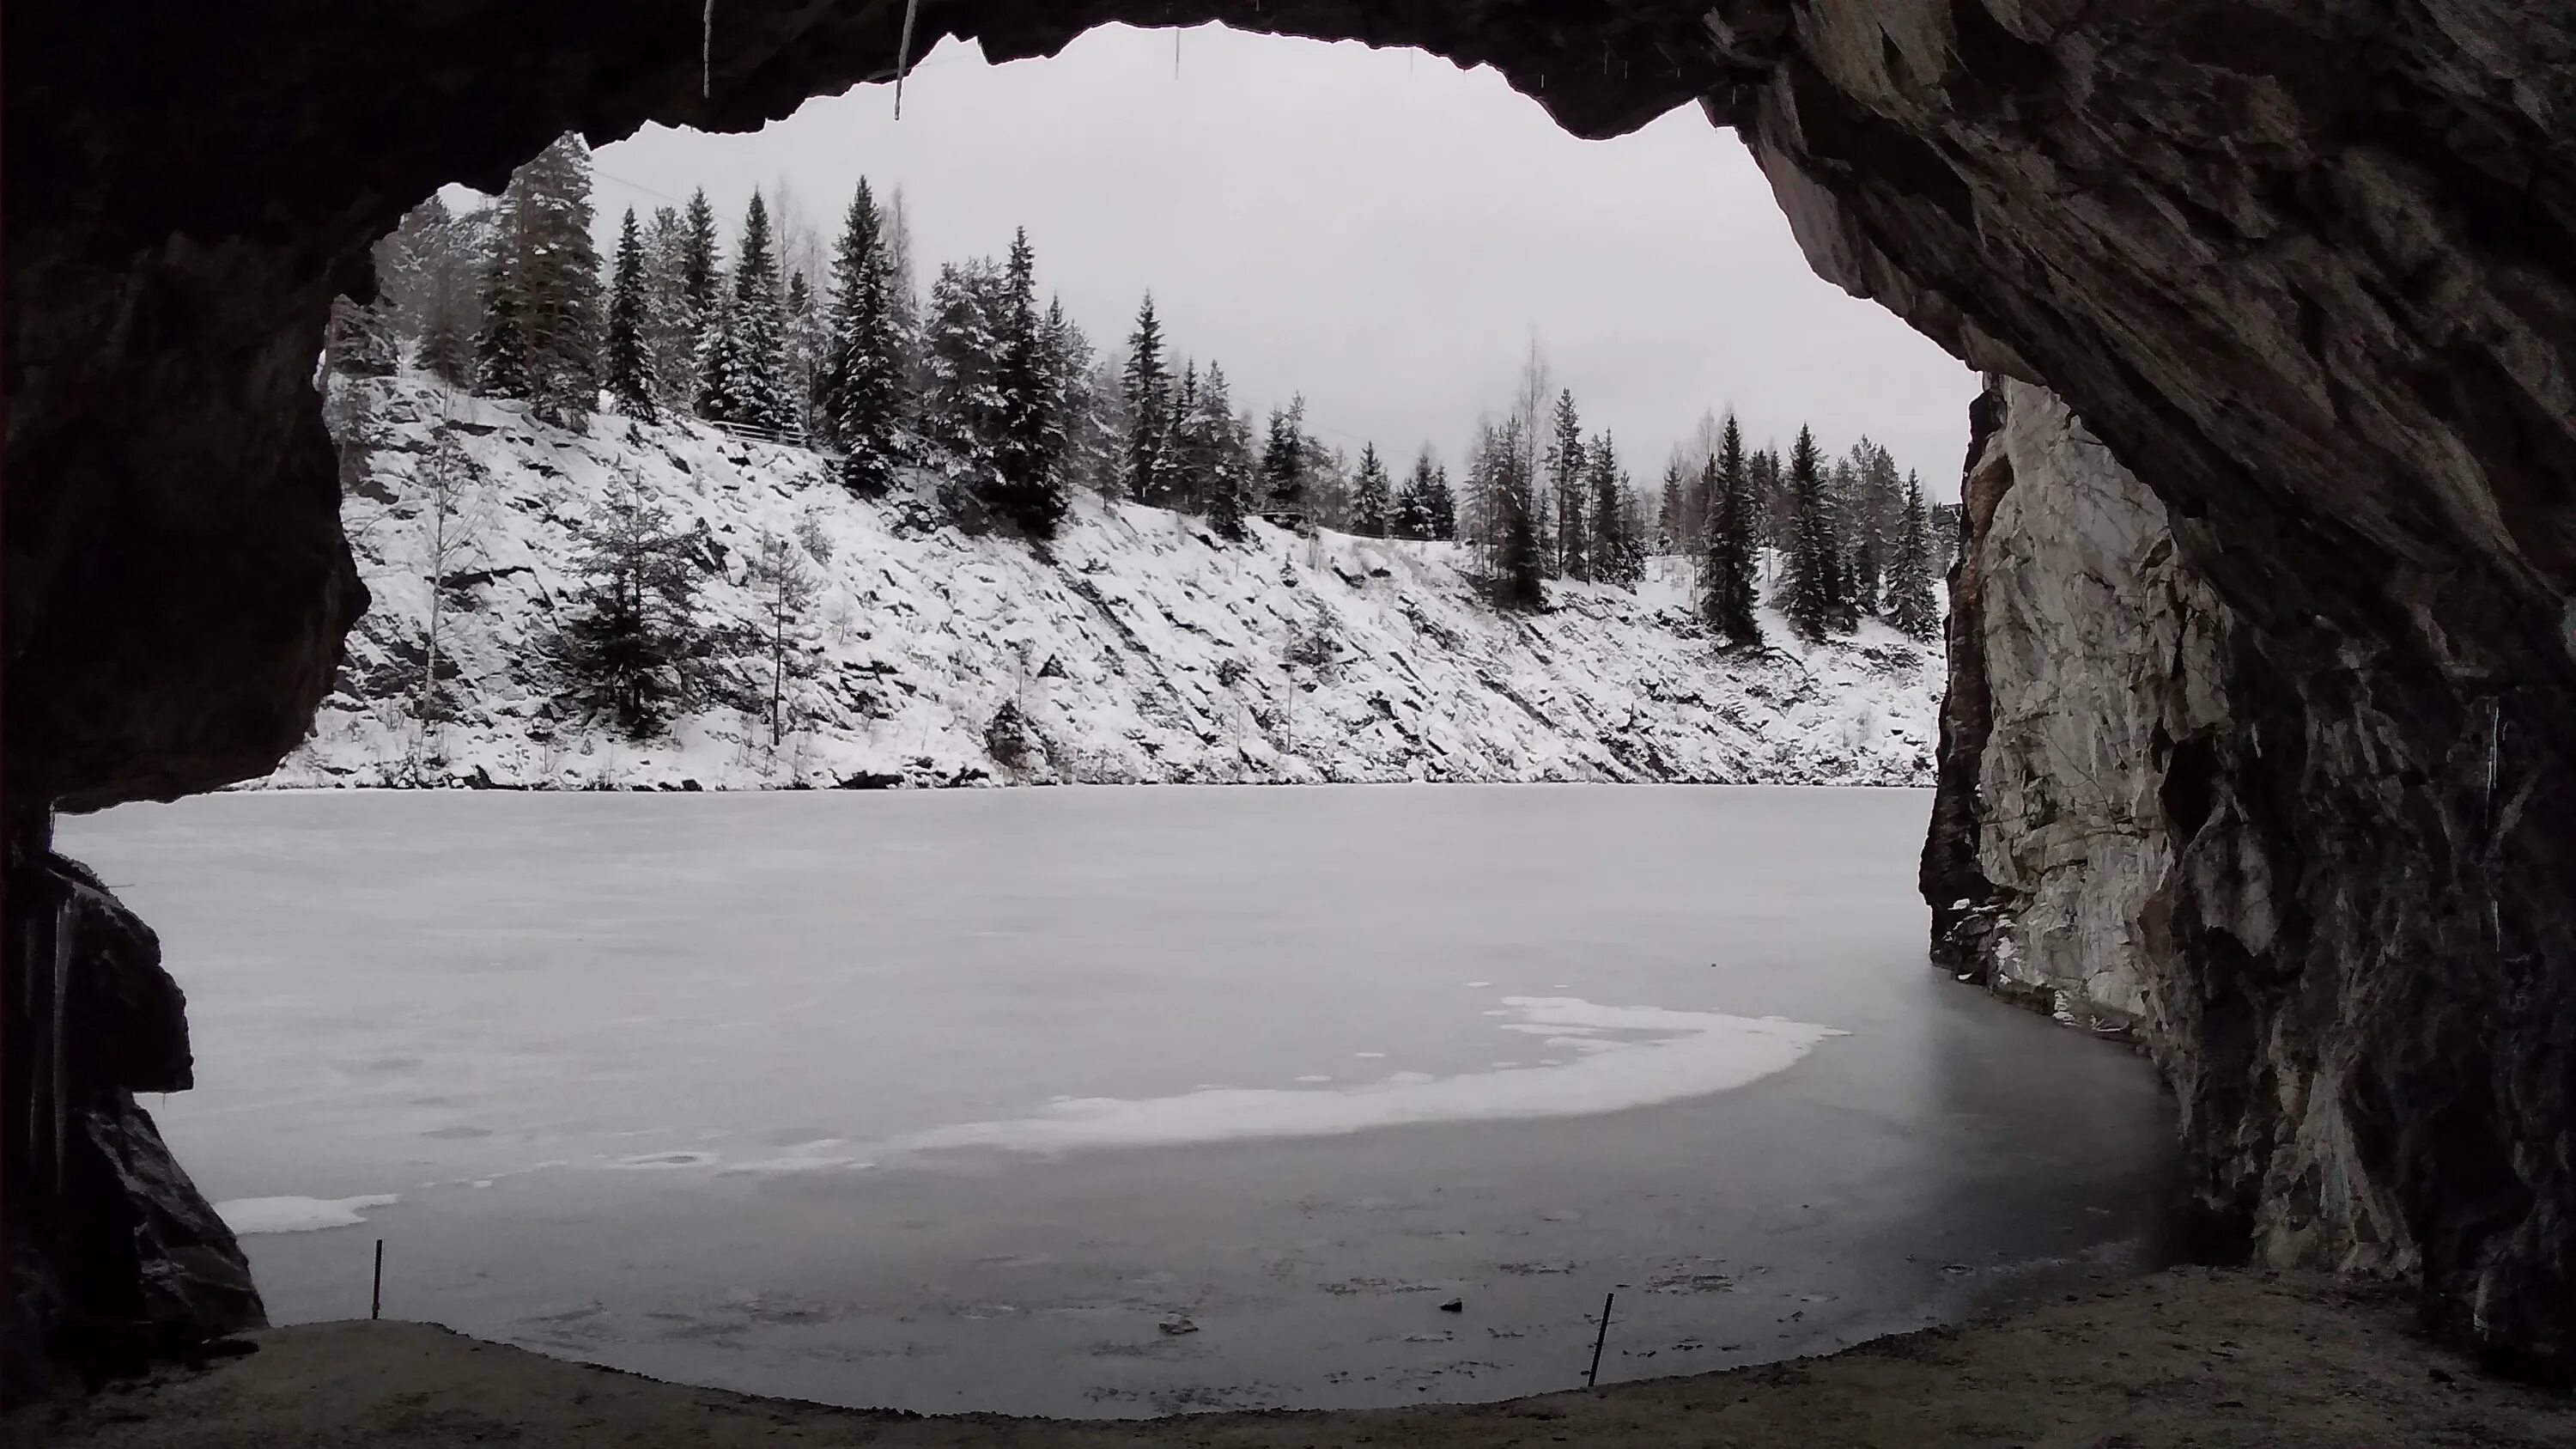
point(1137, 647)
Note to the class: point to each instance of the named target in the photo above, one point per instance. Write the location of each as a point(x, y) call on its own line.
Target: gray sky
point(1377, 229)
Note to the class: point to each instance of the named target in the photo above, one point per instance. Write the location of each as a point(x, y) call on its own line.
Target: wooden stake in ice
point(376, 1298)
point(1592, 1376)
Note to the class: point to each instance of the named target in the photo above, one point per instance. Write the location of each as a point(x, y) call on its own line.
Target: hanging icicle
point(707, 54)
point(902, 53)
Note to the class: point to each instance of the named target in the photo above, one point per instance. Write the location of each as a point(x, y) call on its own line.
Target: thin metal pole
point(1591, 1376)
point(376, 1299)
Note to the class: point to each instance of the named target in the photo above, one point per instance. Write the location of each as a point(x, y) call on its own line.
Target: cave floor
point(2189, 1357)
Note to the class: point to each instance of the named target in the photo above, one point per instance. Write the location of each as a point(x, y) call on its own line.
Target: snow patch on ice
point(248, 1215)
point(1661, 1056)
point(662, 1161)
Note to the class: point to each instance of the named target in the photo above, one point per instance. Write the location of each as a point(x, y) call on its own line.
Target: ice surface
point(639, 1065)
point(248, 1215)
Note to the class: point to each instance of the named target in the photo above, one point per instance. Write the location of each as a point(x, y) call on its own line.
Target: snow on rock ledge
point(1136, 647)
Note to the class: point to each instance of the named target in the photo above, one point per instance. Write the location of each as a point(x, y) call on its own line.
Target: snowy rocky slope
point(1137, 647)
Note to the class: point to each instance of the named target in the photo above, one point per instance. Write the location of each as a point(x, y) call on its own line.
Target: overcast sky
point(1377, 229)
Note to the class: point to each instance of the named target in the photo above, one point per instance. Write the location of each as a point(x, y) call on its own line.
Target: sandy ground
point(2190, 1357)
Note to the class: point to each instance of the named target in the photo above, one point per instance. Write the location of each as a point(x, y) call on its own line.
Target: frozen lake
point(1108, 1101)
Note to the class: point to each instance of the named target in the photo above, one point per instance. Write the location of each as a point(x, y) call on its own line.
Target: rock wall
point(114, 1260)
point(2145, 828)
point(2307, 266)
point(2096, 652)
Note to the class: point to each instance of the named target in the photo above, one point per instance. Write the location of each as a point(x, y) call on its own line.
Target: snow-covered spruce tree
point(1023, 486)
point(1412, 515)
point(670, 322)
point(1911, 607)
point(359, 340)
point(1564, 462)
point(1809, 596)
point(559, 291)
point(632, 650)
point(1086, 392)
point(784, 589)
point(961, 400)
point(632, 384)
point(700, 271)
point(501, 343)
point(1616, 554)
point(1668, 505)
point(864, 368)
point(1283, 459)
point(802, 354)
point(1727, 575)
point(1520, 562)
point(743, 376)
point(1439, 506)
point(1148, 383)
point(429, 271)
point(1372, 498)
point(1840, 509)
point(1183, 444)
point(1218, 454)
point(1328, 485)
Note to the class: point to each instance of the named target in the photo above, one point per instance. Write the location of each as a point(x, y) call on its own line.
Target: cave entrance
point(1020, 1102)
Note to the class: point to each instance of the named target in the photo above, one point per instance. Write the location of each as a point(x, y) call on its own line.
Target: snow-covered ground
point(1138, 647)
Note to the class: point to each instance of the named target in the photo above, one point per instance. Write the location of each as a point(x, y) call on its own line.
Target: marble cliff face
point(2307, 268)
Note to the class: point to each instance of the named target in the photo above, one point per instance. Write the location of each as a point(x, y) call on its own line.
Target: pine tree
point(629, 361)
point(863, 368)
point(1283, 459)
point(1023, 486)
point(1148, 382)
point(633, 649)
point(1727, 577)
point(1372, 504)
point(1565, 485)
point(1911, 608)
point(1668, 508)
point(1810, 600)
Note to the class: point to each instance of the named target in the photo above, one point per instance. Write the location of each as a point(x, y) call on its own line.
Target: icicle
point(902, 53)
point(63, 919)
point(707, 54)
